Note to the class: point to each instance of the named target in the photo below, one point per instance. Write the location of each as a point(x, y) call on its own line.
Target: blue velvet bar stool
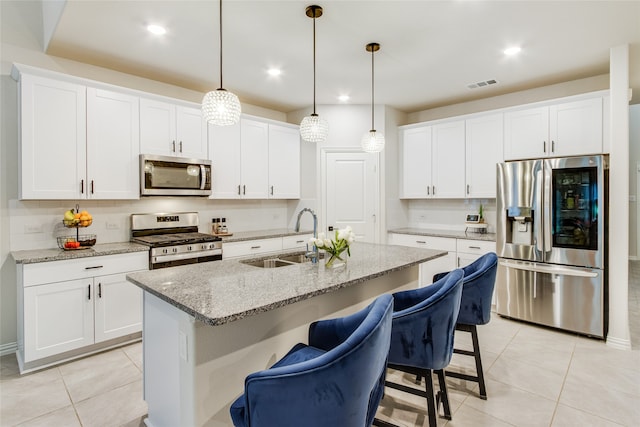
point(336, 380)
point(424, 322)
point(475, 309)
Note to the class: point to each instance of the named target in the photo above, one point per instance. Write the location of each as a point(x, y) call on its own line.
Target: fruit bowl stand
point(85, 240)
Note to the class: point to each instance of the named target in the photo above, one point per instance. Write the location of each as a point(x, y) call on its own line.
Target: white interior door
point(351, 193)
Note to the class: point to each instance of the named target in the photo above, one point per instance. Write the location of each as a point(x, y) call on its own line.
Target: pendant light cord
point(372, 88)
point(314, 64)
point(221, 45)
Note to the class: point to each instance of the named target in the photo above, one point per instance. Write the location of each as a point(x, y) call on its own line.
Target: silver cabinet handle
point(553, 146)
point(272, 190)
point(544, 146)
point(428, 190)
point(458, 262)
point(88, 292)
point(181, 146)
point(299, 241)
point(256, 247)
point(99, 290)
point(467, 188)
point(92, 187)
point(173, 146)
point(422, 242)
point(244, 190)
point(434, 190)
point(238, 189)
point(93, 268)
point(474, 247)
point(82, 186)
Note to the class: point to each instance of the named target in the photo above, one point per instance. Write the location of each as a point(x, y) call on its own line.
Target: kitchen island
point(207, 326)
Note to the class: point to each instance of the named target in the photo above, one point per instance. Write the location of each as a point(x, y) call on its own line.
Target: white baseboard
point(634, 258)
point(9, 348)
point(619, 343)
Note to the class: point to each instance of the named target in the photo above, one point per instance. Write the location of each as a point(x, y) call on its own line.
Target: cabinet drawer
point(478, 247)
point(58, 271)
point(298, 241)
point(251, 247)
point(427, 242)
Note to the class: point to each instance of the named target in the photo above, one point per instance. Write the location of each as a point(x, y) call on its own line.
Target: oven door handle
point(186, 255)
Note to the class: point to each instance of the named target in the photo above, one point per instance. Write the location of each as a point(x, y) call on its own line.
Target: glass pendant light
point(372, 141)
point(220, 107)
point(313, 128)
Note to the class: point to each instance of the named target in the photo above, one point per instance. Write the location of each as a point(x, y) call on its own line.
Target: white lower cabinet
point(65, 306)
point(470, 250)
point(435, 266)
point(264, 246)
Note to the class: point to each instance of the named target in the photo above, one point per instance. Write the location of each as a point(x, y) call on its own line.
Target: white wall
point(634, 176)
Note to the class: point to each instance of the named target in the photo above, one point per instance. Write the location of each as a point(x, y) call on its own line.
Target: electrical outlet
point(32, 228)
point(112, 225)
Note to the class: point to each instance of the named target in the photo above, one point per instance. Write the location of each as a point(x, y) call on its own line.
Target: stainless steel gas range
point(174, 239)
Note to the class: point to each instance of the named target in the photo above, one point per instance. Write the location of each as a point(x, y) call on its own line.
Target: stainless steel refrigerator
point(552, 242)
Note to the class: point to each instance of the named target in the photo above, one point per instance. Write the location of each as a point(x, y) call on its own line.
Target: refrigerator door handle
point(549, 269)
point(538, 214)
point(546, 214)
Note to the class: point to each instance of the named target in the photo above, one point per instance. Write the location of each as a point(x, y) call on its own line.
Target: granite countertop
point(458, 234)
point(262, 234)
point(45, 255)
point(223, 291)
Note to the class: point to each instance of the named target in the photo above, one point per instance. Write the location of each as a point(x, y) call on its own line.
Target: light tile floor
point(535, 377)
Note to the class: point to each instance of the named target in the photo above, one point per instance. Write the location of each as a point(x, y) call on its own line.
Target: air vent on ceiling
point(482, 84)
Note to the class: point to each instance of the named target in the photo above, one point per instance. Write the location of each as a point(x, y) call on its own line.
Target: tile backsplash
point(37, 224)
point(449, 213)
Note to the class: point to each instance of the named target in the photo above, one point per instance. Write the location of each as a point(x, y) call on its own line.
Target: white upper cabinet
point(53, 139)
point(483, 149)
point(224, 150)
point(255, 159)
point(254, 152)
point(433, 161)
point(563, 129)
point(448, 142)
point(172, 130)
point(284, 162)
point(113, 145)
point(416, 163)
point(575, 128)
point(77, 142)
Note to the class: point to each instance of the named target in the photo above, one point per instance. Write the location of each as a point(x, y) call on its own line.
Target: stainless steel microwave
point(174, 176)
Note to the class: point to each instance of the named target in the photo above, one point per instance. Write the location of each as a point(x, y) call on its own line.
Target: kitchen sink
point(279, 261)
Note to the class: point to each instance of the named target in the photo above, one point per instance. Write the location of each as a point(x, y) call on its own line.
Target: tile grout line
point(73, 405)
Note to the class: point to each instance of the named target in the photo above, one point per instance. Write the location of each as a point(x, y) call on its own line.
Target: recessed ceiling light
point(512, 50)
point(274, 72)
point(158, 30)
point(343, 98)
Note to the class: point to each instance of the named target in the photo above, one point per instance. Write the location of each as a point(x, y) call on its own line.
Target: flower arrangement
point(336, 246)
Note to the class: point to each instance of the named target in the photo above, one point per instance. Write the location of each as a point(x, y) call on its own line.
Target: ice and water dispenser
point(519, 225)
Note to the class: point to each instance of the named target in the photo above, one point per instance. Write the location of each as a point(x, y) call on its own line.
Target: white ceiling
point(430, 50)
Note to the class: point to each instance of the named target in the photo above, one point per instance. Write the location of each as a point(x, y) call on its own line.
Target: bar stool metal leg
point(479, 377)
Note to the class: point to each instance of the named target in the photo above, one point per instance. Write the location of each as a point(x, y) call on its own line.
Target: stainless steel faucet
point(313, 254)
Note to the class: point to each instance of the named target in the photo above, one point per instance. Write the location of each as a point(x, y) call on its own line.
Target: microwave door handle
point(203, 177)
